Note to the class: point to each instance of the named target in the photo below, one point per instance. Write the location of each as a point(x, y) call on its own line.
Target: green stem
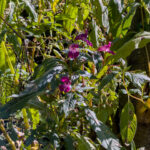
point(25, 118)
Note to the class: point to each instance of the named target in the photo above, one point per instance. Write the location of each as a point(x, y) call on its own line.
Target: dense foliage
point(64, 78)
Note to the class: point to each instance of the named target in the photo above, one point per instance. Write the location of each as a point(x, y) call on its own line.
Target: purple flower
point(73, 51)
point(83, 37)
point(65, 80)
point(106, 48)
point(66, 86)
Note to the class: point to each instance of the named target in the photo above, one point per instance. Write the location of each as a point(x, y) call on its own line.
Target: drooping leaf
point(128, 123)
point(137, 79)
point(106, 137)
point(34, 89)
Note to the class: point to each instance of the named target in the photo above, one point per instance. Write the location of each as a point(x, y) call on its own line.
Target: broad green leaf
point(128, 123)
point(106, 137)
point(94, 36)
point(101, 13)
point(126, 21)
point(12, 8)
point(83, 13)
point(137, 79)
point(138, 41)
point(46, 65)
point(2, 8)
point(102, 114)
point(115, 14)
point(72, 12)
point(34, 89)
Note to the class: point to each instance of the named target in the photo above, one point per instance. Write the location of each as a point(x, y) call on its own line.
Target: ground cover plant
point(74, 74)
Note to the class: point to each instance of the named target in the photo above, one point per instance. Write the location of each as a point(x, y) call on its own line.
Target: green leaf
point(137, 79)
point(126, 21)
point(69, 143)
point(34, 89)
point(35, 117)
point(46, 65)
point(2, 57)
point(31, 9)
point(2, 8)
point(106, 80)
point(69, 104)
point(72, 12)
point(30, 138)
point(133, 146)
point(93, 36)
point(115, 15)
point(138, 41)
point(83, 13)
point(101, 13)
point(128, 123)
point(84, 143)
point(106, 137)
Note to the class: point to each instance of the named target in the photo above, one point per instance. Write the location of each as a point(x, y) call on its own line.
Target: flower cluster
point(74, 48)
point(106, 48)
point(83, 37)
point(73, 51)
point(66, 84)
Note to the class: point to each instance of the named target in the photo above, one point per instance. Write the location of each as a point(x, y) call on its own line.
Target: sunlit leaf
point(128, 123)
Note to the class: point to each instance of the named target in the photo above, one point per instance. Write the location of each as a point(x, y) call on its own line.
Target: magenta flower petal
point(65, 80)
point(73, 51)
point(88, 42)
point(106, 48)
point(65, 87)
point(81, 36)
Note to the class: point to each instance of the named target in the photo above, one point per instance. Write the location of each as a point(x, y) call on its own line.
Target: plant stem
point(10, 141)
point(25, 118)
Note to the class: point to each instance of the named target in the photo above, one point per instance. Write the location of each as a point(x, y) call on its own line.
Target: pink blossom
point(83, 37)
point(73, 51)
point(106, 48)
point(66, 86)
point(65, 80)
